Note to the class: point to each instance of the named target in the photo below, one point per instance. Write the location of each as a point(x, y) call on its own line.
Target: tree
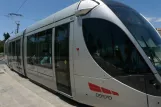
point(6, 36)
point(1, 46)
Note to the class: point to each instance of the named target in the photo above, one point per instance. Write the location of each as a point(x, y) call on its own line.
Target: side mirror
point(85, 6)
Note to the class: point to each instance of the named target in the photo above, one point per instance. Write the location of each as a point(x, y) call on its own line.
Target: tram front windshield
point(141, 29)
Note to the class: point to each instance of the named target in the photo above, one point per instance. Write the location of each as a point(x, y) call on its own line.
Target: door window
point(62, 58)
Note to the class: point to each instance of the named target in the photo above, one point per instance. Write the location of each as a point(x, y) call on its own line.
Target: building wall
point(159, 30)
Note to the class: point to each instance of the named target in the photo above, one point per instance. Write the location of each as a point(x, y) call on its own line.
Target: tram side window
point(13, 50)
point(10, 52)
point(9, 49)
point(18, 47)
point(111, 48)
point(44, 48)
point(31, 49)
point(18, 50)
point(8, 46)
point(5, 49)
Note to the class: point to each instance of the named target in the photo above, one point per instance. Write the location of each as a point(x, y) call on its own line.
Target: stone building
point(159, 30)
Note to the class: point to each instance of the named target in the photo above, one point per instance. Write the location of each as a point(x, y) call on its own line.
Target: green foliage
point(1, 46)
point(6, 36)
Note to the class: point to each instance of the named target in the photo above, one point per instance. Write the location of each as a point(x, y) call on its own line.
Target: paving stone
point(16, 91)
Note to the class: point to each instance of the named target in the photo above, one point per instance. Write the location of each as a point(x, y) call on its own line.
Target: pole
point(10, 15)
point(18, 26)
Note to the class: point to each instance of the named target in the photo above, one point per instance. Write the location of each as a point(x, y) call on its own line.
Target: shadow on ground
point(67, 100)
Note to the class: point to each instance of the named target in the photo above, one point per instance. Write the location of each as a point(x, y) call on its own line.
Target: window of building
point(111, 48)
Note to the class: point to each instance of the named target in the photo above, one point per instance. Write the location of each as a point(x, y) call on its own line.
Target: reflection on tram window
point(9, 49)
point(111, 48)
point(44, 45)
point(31, 49)
point(13, 51)
point(39, 48)
point(143, 32)
point(62, 46)
point(9, 52)
point(18, 48)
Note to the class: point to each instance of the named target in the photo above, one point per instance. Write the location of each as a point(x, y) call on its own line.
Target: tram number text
point(103, 96)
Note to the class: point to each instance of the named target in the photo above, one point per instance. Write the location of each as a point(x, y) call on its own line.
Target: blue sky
point(34, 10)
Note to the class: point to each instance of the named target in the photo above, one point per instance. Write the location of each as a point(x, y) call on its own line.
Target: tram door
point(62, 67)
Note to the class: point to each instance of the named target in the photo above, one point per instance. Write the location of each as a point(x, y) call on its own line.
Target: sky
point(35, 10)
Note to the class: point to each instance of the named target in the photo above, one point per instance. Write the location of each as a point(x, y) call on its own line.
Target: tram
point(99, 53)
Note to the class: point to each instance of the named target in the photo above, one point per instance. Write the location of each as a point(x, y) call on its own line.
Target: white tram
point(100, 53)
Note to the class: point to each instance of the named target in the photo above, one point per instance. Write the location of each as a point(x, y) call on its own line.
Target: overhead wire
point(21, 6)
point(20, 9)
